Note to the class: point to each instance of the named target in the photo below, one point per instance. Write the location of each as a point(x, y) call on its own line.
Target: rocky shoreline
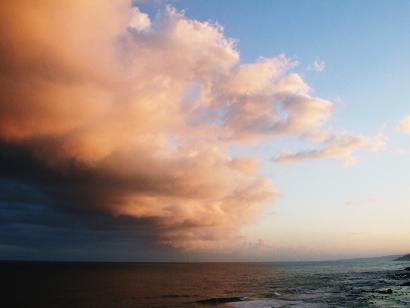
point(403, 258)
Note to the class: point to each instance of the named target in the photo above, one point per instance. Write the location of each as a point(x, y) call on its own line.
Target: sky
point(204, 130)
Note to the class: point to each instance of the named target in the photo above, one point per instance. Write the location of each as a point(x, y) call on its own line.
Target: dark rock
point(407, 268)
point(219, 300)
point(385, 291)
point(406, 284)
point(402, 276)
point(388, 291)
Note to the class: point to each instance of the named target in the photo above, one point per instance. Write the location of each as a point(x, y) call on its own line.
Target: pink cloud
point(341, 146)
point(101, 86)
point(404, 125)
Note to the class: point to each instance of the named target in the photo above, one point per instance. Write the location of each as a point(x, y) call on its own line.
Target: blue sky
point(365, 45)
point(366, 48)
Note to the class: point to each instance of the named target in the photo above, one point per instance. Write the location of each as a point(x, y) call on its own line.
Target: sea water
point(351, 283)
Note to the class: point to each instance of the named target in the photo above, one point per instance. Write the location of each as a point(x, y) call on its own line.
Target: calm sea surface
point(354, 283)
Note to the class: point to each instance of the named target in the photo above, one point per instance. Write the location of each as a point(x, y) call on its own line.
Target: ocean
point(376, 282)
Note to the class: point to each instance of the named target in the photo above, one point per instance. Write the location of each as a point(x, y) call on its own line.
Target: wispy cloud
point(404, 125)
point(341, 146)
point(317, 66)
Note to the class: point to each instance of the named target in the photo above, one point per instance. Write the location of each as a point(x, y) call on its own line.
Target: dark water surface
point(353, 283)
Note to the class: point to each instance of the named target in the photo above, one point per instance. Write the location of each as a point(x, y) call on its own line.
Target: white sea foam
point(262, 303)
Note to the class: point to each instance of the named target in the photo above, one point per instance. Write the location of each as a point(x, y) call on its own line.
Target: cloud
point(139, 22)
point(404, 125)
point(111, 113)
point(340, 146)
point(317, 66)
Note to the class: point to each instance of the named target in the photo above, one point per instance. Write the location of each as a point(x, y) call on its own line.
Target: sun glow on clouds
point(404, 125)
point(336, 146)
point(149, 108)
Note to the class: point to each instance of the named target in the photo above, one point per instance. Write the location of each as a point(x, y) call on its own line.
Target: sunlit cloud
point(404, 125)
point(133, 116)
point(341, 146)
